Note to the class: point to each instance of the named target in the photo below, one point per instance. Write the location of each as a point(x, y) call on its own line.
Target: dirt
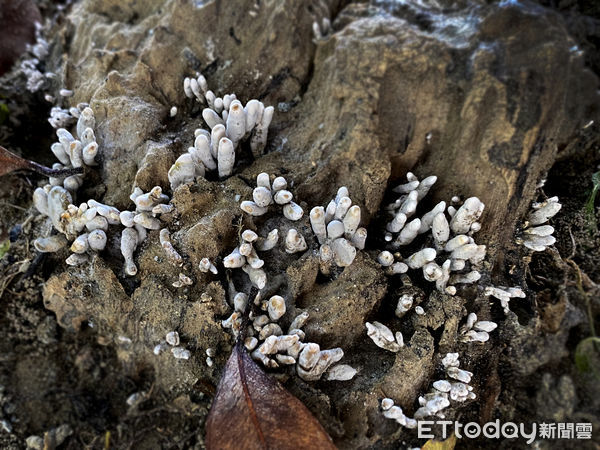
point(65, 359)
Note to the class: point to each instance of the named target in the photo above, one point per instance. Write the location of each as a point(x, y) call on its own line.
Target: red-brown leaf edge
point(251, 410)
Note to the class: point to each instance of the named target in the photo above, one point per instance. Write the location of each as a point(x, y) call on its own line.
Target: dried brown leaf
point(251, 410)
point(9, 162)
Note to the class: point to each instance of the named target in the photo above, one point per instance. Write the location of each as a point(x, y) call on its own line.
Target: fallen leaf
point(9, 162)
point(448, 444)
point(251, 410)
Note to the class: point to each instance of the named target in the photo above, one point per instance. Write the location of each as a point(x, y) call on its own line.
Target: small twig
point(7, 280)
point(588, 303)
point(106, 440)
point(16, 294)
point(579, 283)
point(542, 279)
point(54, 173)
point(11, 162)
point(61, 173)
point(573, 244)
point(14, 206)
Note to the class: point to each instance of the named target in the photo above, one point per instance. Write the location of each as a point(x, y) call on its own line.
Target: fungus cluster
point(65, 117)
point(408, 297)
point(148, 209)
point(536, 236)
point(172, 255)
point(337, 230)
point(71, 221)
point(230, 123)
point(75, 152)
point(476, 330)
point(206, 266)
point(30, 67)
point(504, 294)
point(439, 242)
point(266, 193)
point(448, 245)
point(268, 344)
point(173, 342)
point(266, 339)
point(383, 337)
point(455, 388)
point(86, 225)
point(244, 256)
